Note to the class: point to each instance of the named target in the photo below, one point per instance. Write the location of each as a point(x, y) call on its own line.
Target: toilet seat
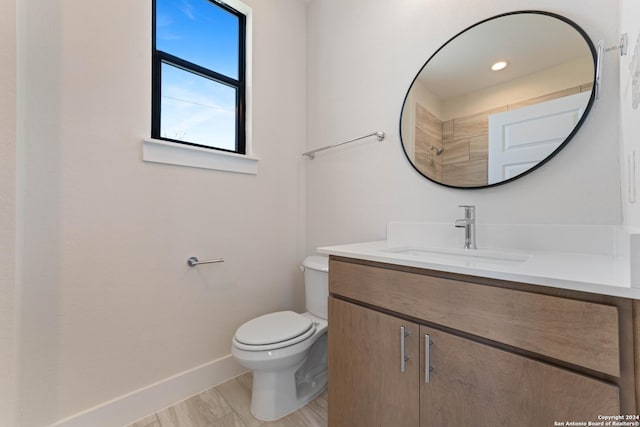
point(273, 331)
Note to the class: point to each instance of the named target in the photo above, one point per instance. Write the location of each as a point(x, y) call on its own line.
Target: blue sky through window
point(199, 32)
point(194, 108)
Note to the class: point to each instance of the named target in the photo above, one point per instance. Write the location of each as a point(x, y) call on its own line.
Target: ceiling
point(528, 42)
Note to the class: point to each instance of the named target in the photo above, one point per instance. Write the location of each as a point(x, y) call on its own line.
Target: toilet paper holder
point(193, 261)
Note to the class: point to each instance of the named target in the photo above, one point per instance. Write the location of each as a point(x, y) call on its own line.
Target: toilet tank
point(316, 285)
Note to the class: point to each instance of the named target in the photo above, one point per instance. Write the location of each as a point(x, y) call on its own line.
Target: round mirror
point(499, 99)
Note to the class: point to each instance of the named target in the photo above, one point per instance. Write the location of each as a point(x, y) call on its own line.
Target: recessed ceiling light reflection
point(501, 65)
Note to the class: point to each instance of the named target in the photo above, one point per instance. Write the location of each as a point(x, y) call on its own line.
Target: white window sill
point(171, 153)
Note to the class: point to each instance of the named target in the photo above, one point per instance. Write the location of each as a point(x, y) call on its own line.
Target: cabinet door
point(367, 386)
point(475, 384)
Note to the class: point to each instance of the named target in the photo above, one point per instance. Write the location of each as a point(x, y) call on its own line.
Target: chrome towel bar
point(193, 261)
point(312, 154)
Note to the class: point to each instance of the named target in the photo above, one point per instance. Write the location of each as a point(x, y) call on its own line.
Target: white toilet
point(287, 351)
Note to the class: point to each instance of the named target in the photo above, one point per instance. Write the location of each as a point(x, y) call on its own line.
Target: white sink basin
point(486, 255)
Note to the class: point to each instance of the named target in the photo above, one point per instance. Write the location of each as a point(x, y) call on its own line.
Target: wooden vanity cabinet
point(369, 387)
point(476, 384)
point(473, 380)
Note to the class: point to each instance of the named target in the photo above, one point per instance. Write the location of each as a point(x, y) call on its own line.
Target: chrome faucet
point(469, 225)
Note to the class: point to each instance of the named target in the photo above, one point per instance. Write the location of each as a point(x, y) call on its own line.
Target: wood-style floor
point(227, 405)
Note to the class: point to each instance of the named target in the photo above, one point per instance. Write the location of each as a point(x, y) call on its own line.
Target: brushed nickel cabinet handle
point(427, 364)
point(403, 357)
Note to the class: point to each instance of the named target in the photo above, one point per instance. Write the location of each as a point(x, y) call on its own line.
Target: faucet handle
point(461, 223)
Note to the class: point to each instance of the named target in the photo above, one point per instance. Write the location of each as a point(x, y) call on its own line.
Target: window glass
point(200, 32)
point(198, 74)
point(196, 109)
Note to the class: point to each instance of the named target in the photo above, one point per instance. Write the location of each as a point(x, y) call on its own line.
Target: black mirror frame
point(594, 56)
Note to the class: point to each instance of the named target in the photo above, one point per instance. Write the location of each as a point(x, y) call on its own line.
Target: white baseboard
point(133, 406)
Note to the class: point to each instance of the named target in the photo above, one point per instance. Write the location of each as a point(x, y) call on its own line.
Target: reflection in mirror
point(466, 125)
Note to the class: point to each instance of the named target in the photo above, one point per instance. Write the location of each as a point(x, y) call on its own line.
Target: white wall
point(569, 75)
point(630, 117)
point(109, 304)
point(362, 57)
point(8, 294)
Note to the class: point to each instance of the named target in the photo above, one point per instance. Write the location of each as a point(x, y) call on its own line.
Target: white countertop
point(601, 273)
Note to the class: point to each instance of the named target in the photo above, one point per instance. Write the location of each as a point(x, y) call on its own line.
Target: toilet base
point(278, 394)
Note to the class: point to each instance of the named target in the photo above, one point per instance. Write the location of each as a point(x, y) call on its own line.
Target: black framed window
point(198, 74)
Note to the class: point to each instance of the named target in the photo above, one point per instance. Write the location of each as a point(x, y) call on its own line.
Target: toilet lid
point(273, 328)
